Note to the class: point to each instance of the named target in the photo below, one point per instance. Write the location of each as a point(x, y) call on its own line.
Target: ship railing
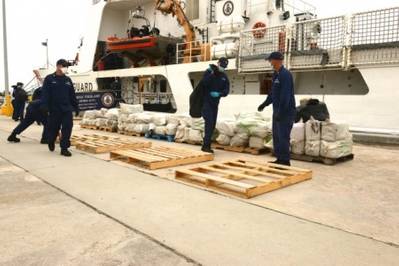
point(374, 37)
point(190, 52)
point(300, 6)
point(257, 44)
point(343, 42)
point(318, 43)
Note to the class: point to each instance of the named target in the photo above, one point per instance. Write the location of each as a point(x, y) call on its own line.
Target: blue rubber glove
point(215, 94)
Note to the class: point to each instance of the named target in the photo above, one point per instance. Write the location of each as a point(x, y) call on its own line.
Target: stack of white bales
point(141, 122)
point(109, 120)
point(249, 129)
point(190, 130)
point(163, 124)
point(125, 111)
point(325, 139)
point(90, 117)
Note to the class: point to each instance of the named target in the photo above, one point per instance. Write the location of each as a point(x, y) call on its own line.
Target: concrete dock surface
point(66, 211)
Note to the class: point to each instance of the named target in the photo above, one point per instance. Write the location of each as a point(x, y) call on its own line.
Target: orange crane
point(174, 7)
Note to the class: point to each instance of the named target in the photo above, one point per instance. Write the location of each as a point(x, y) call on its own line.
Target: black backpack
point(197, 101)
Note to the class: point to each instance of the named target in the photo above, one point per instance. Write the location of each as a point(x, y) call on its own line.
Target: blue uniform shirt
point(282, 95)
point(58, 94)
point(215, 80)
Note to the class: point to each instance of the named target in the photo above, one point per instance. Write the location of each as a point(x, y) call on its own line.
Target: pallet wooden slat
point(243, 178)
point(160, 157)
point(103, 144)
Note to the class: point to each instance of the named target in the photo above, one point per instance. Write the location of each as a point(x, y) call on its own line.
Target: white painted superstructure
point(350, 61)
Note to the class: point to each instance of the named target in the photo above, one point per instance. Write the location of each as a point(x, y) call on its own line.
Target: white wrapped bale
point(226, 128)
point(143, 118)
point(240, 140)
point(131, 108)
point(93, 114)
point(313, 130)
point(337, 149)
point(160, 130)
point(171, 129)
point(140, 128)
point(298, 132)
point(334, 132)
point(185, 121)
point(256, 142)
point(195, 136)
point(173, 119)
point(223, 139)
point(298, 147)
point(198, 124)
point(159, 119)
point(182, 134)
point(88, 122)
point(112, 114)
point(101, 122)
point(261, 130)
point(312, 148)
point(298, 138)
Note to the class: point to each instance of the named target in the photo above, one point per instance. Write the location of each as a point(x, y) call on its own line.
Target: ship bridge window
point(192, 9)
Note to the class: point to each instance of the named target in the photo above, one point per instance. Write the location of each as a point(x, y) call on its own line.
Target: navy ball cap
point(275, 56)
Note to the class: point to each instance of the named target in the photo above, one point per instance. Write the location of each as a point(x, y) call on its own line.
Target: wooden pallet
point(244, 178)
point(109, 144)
point(318, 159)
point(107, 129)
point(75, 138)
point(160, 157)
point(249, 150)
point(129, 133)
point(89, 127)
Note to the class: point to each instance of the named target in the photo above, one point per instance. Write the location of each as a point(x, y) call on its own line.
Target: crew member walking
point(215, 85)
point(59, 100)
point(283, 99)
point(33, 113)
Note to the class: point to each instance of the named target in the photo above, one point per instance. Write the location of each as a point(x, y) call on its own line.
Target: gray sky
point(63, 22)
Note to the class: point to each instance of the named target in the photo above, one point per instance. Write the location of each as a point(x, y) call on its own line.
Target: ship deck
point(347, 213)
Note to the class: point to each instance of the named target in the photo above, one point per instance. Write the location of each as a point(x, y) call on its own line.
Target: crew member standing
point(20, 97)
point(33, 113)
point(60, 101)
point(283, 100)
point(215, 85)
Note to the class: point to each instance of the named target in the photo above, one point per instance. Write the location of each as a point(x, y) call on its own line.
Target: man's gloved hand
point(215, 94)
point(261, 107)
point(77, 113)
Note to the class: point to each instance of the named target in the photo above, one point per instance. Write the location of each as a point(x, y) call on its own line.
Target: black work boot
point(286, 163)
point(276, 162)
point(66, 153)
point(207, 149)
point(13, 138)
point(51, 146)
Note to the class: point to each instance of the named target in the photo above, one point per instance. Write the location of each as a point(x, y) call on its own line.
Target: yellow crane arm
point(174, 7)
